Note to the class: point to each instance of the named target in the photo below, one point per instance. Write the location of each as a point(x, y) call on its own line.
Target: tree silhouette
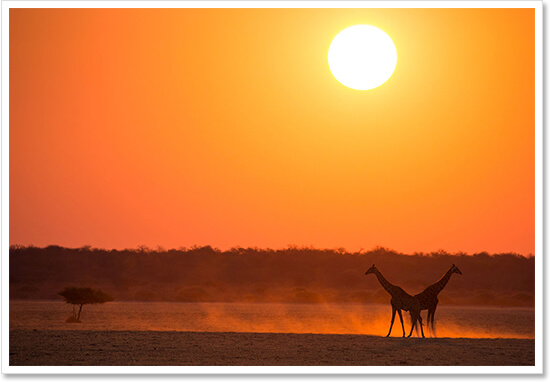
point(82, 296)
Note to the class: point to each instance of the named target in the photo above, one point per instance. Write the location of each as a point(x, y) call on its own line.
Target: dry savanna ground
point(156, 348)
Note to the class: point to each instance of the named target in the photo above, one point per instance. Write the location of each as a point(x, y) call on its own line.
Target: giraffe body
point(400, 300)
point(427, 299)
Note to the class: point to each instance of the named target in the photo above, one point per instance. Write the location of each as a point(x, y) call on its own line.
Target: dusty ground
point(122, 348)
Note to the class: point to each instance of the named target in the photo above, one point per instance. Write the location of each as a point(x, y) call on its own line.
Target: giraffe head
point(371, 270)
point(454, 269)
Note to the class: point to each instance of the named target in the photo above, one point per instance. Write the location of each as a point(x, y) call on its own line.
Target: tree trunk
point(79, 310)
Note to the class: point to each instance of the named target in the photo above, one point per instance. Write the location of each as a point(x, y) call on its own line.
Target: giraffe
point(428, 298)
point(399, 300)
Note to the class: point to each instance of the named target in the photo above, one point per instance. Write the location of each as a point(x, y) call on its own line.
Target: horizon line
point(342, 250)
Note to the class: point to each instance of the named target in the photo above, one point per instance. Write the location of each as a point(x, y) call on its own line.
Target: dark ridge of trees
point(293, 274)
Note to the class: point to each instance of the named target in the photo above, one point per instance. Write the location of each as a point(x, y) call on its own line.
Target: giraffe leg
point(421, 329)
point(413, 321)
point(429, 321)
point(433, 321)
point(392, 318)
point(401, 318)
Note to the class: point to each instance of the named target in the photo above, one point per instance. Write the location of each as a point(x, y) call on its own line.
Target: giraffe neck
point(389, 287)
point(438, 286)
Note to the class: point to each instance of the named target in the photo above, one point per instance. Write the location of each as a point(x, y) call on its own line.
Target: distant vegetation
point(83, 296)
point(201, 274)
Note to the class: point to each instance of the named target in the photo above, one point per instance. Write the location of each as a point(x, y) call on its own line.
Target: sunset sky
point(226, 127)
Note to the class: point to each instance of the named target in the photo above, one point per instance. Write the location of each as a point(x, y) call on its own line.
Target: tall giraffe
point(428, 298)
point(399, 300)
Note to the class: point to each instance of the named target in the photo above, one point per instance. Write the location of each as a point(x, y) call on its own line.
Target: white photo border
point(295, 370)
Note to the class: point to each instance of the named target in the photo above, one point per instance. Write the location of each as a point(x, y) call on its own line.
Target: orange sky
point(225, 127)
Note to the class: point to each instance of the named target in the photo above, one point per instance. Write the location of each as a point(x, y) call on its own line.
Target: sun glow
point(362, 57)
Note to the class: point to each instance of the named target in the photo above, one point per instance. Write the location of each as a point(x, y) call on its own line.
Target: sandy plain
point(158, 348)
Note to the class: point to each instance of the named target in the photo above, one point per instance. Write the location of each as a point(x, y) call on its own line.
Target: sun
point(362, 57)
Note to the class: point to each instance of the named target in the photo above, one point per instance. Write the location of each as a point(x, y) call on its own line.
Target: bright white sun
point(362, 57)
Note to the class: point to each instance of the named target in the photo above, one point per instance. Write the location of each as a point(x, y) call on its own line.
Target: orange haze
point(225, 127)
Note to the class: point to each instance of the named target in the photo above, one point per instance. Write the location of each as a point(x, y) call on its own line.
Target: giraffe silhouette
point(428, 298)
point(400, 300)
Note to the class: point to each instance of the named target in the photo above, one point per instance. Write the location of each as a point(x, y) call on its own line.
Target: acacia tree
point(82, 296)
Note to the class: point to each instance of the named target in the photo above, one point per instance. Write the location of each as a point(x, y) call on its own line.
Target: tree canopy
point(81, 296)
